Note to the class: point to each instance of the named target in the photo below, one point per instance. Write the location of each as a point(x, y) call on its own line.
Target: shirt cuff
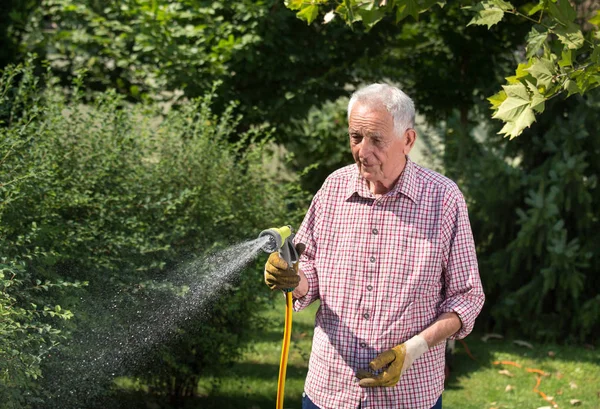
point(467, 308)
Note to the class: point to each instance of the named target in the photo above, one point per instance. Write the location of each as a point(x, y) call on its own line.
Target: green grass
point(574, 372)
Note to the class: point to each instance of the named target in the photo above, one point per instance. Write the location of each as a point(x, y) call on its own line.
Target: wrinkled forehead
point(370, 119)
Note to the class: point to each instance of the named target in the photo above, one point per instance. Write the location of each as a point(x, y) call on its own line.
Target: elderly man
point(390, 255)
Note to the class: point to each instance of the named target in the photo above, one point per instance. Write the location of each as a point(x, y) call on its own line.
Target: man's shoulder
point(435, 181)
point(345, 173)
point(341, 176)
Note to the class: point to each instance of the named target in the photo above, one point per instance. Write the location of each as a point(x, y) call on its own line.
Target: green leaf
point(293, 4)
point(535, 9)
point(520, 73)
point(512, 107)
point(567, 58)
point(543, 71)
point(596, 19)
point(370, 17)
point(308, 13)
point(497, 99)
point(407, 8)
point(538, 101)
point(536, 37)
point(562, 11)
point(427, 4)
point(515, 128)
point(571, 87)
point(516, 110)
point(570, 35)
point(489, 12)
point(595, 57)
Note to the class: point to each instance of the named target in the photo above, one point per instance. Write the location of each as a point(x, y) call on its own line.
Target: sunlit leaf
point(536, 37)
point(537, 100)
point(328, 17)
point(308, 13)
point(571, 36)
point(486, 14)
point(567, 58)
point(543, 71)
point(293, 4)
point(515, 110)
point(596, 19)
point(497, 99)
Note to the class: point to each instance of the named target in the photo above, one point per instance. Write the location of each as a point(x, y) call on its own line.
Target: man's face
point(377, 150)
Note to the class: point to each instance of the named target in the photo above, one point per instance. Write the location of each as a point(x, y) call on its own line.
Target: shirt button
point(366, 315)
point(363, 345)
point(379, 204)
point(372, 259)
point(370, 287)
point(375, 231)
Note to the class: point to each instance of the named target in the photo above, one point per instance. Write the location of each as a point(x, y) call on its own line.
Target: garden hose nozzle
point(281, 239)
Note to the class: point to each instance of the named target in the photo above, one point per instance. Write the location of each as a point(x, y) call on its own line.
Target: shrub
point(114, 195)
point(535, 227)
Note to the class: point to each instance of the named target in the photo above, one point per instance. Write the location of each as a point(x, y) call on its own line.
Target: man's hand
point(278, 275)
point(398, 360)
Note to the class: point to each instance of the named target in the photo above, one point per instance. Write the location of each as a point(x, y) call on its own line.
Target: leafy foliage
point(560, 57)
point(160, 48)
point(536, 227)
point(114, 195)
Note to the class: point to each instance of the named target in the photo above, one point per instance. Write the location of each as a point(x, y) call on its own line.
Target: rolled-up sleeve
point(307, 235)
point(463, 290)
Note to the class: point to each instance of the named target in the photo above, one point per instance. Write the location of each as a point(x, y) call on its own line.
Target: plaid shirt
point(384, 269)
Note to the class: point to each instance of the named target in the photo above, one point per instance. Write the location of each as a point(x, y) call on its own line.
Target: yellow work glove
point(278, 275)
point(397, 360)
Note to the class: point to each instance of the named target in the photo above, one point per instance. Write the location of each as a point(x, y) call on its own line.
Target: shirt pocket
point(412, 271)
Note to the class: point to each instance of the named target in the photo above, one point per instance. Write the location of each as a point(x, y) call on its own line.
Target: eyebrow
point(374, 135)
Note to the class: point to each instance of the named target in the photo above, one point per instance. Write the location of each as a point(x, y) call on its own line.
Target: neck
point(381, 187)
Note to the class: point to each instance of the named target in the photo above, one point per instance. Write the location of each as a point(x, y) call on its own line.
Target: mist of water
point(128, 336)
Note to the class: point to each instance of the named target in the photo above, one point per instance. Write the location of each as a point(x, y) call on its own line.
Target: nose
point(365, 149)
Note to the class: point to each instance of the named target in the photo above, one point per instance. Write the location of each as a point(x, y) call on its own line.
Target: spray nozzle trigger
point(281, 239)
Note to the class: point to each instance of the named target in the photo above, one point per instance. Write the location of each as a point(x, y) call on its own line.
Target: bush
point(536, 225)
point(114, 195)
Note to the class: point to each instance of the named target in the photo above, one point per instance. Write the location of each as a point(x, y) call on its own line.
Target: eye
point(355, 138)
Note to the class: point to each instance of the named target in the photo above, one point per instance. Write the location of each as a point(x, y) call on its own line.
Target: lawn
point(570, 372)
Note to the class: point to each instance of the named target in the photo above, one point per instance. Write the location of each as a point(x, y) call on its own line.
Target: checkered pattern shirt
point(384, 269)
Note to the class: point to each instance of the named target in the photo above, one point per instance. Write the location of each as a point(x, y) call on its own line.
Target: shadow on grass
point(245, 396)
point(484, 355)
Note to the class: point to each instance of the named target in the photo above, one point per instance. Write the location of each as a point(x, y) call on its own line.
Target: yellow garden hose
point(282, 240)
point(285, 349)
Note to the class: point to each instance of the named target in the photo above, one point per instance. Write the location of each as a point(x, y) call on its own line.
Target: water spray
point(281, 239)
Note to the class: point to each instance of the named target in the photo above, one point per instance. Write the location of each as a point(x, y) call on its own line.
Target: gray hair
point(396, 102)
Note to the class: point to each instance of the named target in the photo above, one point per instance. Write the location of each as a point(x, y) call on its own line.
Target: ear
point(410, 136)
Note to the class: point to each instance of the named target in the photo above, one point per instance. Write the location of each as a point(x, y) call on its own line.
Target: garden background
point(139, 138)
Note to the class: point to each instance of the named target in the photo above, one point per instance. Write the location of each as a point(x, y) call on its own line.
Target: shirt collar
point(406, 185)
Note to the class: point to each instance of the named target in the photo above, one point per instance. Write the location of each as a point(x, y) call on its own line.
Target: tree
point(562, 49)
point(273, 64)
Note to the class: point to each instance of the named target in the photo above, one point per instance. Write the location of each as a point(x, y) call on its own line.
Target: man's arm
point(446, 325)
point(302, 288)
